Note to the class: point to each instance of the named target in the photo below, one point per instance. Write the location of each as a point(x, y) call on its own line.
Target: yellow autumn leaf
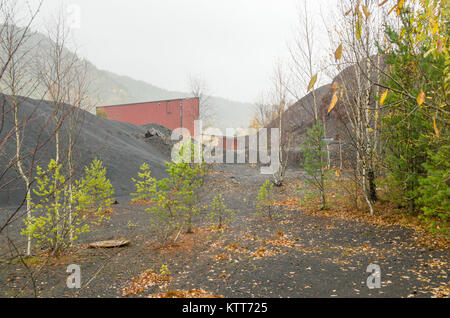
point(358, 30)
point(436, 130)
point(421, 98)
point(366, 11)
point(383, 97)
point(338, 172)
point(312, 82)
point(435, 28)
point(399, 6)
point(393, 8)
point(335, 87)
point(334, 100)
point(338, 53)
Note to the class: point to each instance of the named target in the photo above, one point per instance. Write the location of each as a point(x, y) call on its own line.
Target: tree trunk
point(20, 167)
point(372, 187)
point(56, 185)
point(70, 162)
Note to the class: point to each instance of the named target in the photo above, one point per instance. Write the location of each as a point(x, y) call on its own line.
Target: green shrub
point(265, 201)
point(219, 214)
point(415, 125)
point(94, 190)
point(176, 199)
point(47, 224)
point(315, 163)
point(166, 211)
point(145, 184)
point(59, 218)
point(434, 190)
point(164, 270)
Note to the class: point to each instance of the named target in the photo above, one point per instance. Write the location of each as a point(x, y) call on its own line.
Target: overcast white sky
point(232, 44)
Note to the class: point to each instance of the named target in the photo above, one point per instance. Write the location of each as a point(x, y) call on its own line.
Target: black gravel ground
point(298, 256)
point(122, 147)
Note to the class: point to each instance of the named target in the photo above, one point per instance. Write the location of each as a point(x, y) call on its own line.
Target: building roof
point(152, 101)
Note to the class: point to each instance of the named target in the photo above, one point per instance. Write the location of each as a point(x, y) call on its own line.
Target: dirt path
point(299, 256)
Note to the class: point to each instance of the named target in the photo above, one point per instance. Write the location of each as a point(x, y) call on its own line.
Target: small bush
point(219, 215)
point(265, 201)
point(145, 185)
point(164, 270)
point(315, 164)
point(49, 223)
point(176, 199)
point(94, 189)
point(59, 218)
point(166, 214)
point(434, 191)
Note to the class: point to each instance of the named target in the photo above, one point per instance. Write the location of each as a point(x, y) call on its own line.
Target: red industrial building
point(227, 142)
point(230, 143)
point(174, 113)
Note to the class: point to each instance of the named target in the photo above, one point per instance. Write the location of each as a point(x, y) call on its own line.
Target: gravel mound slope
point(121, 146)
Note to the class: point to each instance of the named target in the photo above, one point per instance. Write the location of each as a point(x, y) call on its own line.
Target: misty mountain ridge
point(114, 89)
point(108, 88)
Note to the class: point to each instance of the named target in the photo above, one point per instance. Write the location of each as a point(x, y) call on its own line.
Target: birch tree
point(355, 55)
point(77, 97)
point(269, 113)
point(304, 53)
point(63, 79)
point(280, 82)
point(18, 82)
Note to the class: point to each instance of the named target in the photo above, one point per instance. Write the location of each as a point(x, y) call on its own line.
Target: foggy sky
point(232, 44)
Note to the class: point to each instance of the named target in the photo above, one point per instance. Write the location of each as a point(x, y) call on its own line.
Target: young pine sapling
point(265, 201)
point(219, 214)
